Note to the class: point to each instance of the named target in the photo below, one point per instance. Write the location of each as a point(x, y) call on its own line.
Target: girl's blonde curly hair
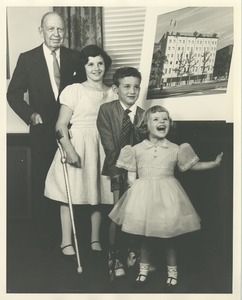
point(142, 128)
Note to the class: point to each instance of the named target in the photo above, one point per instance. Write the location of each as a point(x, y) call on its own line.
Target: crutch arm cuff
point(59, 134)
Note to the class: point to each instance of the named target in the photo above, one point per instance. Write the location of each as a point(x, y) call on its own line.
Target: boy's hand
point(115, 182)
point(218, 159)
point(116, 177)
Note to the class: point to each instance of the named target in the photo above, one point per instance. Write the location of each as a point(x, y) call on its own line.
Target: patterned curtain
point(84, 26)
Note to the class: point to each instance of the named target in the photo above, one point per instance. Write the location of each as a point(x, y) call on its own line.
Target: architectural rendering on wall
point(192, 53)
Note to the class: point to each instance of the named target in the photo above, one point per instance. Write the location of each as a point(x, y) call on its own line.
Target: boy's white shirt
point(132, 109)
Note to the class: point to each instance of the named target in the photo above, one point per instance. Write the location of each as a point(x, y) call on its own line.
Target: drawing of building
point(190, 56)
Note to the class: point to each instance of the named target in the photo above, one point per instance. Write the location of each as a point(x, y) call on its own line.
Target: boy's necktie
point(126, 129)
point(56, 69)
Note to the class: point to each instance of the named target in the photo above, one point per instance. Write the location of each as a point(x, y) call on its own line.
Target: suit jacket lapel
point(64, 58)
point(118, 115)
point(138, 114)
point(63, 63)
point(41, 70)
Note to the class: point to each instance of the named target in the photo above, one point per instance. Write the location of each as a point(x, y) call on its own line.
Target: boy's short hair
point(125, 72)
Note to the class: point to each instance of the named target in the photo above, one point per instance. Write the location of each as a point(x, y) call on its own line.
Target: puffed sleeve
point(127, 159)
point(111, 95)
point(186, 157)
point(69, 96)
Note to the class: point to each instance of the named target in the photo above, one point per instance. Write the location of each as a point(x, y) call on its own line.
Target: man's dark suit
point(31, 75)
point(109, 124)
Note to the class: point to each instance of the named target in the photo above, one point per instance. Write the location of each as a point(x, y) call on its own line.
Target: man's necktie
point(56, 69)
point(126, 129)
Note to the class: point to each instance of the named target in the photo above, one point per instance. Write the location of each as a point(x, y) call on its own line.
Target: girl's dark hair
point(93, 51)
point(141, 128)
point(125, 72)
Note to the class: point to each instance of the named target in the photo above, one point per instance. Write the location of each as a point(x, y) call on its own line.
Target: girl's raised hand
point(218, 159)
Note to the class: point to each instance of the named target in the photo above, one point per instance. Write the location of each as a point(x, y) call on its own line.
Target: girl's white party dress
point(87, 185)
point(156, 205)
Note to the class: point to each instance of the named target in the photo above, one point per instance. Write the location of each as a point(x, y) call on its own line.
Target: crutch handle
point(63, 157)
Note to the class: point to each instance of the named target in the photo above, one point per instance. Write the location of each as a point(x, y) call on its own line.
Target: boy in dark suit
point(115, 122)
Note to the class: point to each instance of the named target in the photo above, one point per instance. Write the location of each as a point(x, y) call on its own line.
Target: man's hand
point(36, 119)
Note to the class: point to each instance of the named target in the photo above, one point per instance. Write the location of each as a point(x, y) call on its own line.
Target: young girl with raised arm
point(156, 205)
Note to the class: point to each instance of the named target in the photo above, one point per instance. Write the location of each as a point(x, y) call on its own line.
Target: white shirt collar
point(132, 108)
point(47, 51)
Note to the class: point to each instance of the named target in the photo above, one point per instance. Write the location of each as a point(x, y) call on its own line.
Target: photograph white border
point(235, 88)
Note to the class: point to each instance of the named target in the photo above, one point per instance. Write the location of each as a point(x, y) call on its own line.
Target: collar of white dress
point(163, 143)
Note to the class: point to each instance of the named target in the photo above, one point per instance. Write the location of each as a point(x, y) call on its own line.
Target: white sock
point(172, 273)
point(143, 270)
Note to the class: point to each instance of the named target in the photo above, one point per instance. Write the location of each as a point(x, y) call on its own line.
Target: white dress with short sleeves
point(87, 185)
point(156, 205)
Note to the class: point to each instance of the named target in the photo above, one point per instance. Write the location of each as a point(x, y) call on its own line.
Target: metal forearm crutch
point(68, 194)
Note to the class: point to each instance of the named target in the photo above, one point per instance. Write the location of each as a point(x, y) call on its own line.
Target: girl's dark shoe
point(97, 253)
point(140, 283)
point(69, 257)
point(171, 282)
point(171, 285)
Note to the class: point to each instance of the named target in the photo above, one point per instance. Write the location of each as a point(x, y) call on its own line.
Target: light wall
point(23, 23)
point(23, 35)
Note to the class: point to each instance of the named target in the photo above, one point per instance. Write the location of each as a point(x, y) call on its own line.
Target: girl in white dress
point(80, 103)
point(156, 205)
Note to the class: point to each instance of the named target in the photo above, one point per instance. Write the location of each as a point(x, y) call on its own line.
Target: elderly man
point(43, 72)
